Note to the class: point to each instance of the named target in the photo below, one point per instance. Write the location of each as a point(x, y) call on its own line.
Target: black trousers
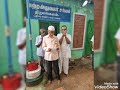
point(56, 69)
point(118, 71)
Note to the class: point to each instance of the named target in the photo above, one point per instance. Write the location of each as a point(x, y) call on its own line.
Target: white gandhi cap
point(51, 28)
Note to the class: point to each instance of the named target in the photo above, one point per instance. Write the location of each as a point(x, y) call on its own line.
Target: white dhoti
point(65, 55)
point(64, 63)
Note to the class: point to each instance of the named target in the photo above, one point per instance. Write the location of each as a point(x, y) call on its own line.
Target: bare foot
point(59, 82)
point(66, 75)
point(48, 83)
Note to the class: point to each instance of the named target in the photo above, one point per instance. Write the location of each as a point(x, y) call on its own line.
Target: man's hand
point(49, 49)
point(61, 39)
point(67, 40)
point(118, 45)
point(39, 43)
point(64, 35)
point(57, 49)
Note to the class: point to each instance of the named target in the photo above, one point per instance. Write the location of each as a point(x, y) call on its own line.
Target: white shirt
point(117, 36)
point(52, 43)
point(21, 36)
point(92, 40)
point(40, 51)
point(65, 48)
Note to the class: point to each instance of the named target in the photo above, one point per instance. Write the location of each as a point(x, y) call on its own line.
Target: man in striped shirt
point(51, 47)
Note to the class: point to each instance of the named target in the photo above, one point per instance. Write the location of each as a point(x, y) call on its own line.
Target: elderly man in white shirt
point(65, 51)
point(21, 43)
point(117, 37)
point(51, 47)
point(40, 51)
point(92, 40)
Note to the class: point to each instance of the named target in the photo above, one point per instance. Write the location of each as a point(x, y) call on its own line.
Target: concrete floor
point(81, 77)
point(106, 74)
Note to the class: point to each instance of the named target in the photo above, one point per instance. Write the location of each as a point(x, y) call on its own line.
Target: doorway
point(45, 24)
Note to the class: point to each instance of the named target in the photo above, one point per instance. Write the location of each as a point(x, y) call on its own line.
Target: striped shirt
point(53, 44)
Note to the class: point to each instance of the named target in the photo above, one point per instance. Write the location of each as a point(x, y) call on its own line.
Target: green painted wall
point(75, 7)
point(16, 19)
point(114, 15)
point(98, 57)
point(112, 23)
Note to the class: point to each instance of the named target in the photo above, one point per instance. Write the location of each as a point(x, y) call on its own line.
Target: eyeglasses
point(64, 29)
